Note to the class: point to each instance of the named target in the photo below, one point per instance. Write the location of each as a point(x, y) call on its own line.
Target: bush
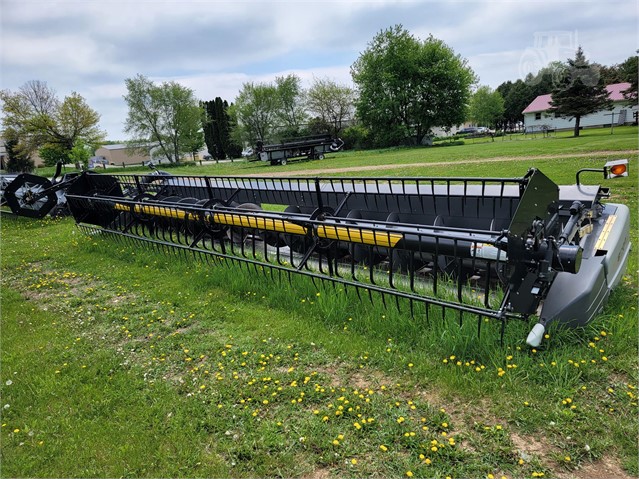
point(356, 138)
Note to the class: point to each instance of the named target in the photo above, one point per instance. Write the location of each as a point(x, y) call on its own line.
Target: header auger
point(501, 248)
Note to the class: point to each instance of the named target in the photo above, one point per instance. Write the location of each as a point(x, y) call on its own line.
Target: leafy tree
point(331, 102)
point(580, 91)
point(80, 154)
point(291, 113)
point(517, 96)
point(486, 107)
point(35, 117)
point(167, 116)
point(255, 112)
point(629, 73)
point(609, 74)
point(18, 161)
point(52, 153)
point(318, 126)
point(544, 81)
point(407, 86)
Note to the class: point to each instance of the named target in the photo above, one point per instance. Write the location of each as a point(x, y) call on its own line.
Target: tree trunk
point(577, 121)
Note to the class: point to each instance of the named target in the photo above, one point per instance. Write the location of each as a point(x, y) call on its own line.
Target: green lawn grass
point(118, 361)
point(519, 146)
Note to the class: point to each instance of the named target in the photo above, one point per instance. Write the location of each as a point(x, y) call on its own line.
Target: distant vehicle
point(475, 130)
point(156, 161)
point(246, 152)
point(207, 157)
point(95, 161)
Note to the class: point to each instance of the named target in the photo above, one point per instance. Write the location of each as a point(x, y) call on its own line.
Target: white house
point(537, 116)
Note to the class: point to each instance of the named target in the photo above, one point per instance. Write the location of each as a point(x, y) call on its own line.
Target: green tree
point(217, 128)
point(52, 153)
point(291, 112)
point(332, 103)
point(517, 96)
point(80, 154)
point(18, 161)
point(166, 116)
point(209, 127)
point(580, 91)
point(255, 113)
point(486, 107)
point(407, 86)
point(35, 117)
point(629, 72)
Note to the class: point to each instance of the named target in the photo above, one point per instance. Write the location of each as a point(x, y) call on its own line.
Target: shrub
point(356, 138)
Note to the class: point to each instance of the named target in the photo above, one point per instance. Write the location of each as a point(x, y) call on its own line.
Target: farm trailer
point(312, 148)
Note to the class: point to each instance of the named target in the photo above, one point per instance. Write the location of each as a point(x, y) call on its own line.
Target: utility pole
point(612, 123)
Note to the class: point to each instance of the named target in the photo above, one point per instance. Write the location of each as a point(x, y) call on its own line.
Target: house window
point(538, 116)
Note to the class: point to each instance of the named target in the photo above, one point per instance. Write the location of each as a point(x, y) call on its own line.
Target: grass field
point(120, 362)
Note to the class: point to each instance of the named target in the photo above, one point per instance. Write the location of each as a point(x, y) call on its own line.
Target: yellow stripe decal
point(601, 242)
point(358, 235)
point(269, 224)
point(338, 233)
point(163, 211)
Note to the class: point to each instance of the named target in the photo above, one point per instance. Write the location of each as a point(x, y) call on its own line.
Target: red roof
point(542, 102)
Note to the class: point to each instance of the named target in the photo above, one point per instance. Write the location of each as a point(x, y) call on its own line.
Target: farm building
point(538, 117)
point(120, 155)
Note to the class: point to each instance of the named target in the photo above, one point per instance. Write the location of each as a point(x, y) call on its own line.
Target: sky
point(214, 47)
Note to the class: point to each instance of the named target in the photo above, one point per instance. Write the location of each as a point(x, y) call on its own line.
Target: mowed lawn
point(118, 361)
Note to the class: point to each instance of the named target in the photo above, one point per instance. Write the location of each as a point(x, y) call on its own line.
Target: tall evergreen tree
point(19, 161)
point(208, 127)
point(580, 91)
point(217, 129)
